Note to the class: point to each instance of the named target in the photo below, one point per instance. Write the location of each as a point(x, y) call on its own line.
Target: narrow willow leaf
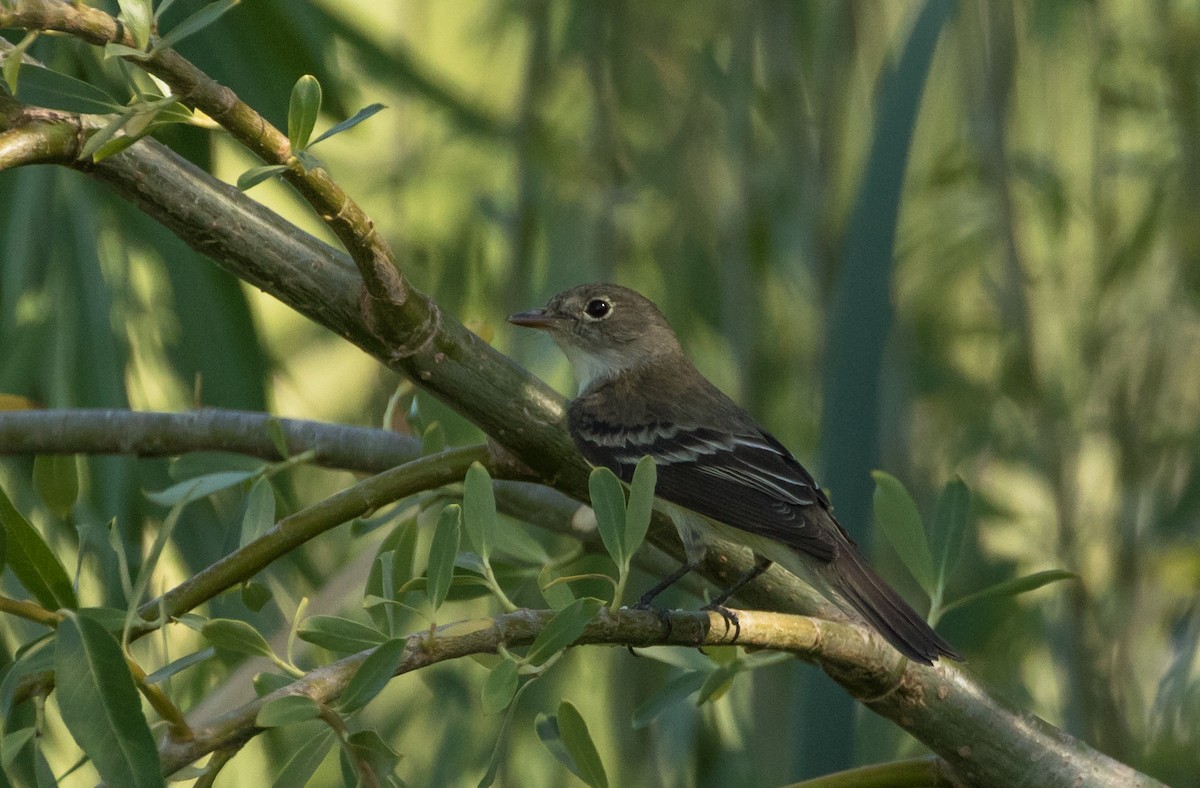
point(179, 665)
point(266, 683)
point(303, 109)
point(1018, 585)
point(671, 694)
point(12, 61)
point(563, 630)
point(479, 509)
point(349, 123)
point(196, 22)
point(259, 515)
point(136, 15)
point(373, 675)
point(112, 147)
point(32, 560)
point(303, 764)
point(500, 687)
point(897, 516)
point(103, 135)
point(717, 683)
point(100, 705)
point(113, 49)
point(255, 596)
point(200, 487)
point(366, 748)
point(566, 736)
point(42, 87)
point(608, 502)
point(256, 175)
point(236, 636)
point(950, 521)
point(56, 479)
point(340, 635)
point(287, 710)
point(278, 438)
point(641, 504)
point(442, 552)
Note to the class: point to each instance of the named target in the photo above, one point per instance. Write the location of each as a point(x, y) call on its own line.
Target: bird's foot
point(729, 616)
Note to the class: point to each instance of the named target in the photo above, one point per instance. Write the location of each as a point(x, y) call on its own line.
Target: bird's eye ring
point(598, 309)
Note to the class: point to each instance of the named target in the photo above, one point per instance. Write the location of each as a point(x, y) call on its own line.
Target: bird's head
point(603, 329)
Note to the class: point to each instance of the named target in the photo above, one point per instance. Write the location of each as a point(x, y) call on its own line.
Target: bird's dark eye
point(598, 309)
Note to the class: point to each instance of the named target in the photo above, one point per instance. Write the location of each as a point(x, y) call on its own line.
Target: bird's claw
point(729, 616)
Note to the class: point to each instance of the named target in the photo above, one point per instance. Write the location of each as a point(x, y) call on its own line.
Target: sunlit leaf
point(563, 630)
point(100, 705)
point(12, 61)
point(136, 15)
point(303, 109)
point(897, 516)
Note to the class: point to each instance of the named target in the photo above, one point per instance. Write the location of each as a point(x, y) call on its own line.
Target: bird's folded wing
point(747, 480)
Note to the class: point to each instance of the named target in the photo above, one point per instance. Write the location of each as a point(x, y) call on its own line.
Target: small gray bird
point(640, 395)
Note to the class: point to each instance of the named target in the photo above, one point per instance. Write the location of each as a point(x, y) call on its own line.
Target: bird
point(640, 395)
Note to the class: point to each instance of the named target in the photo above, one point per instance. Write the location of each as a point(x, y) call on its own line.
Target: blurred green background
point(940, 239)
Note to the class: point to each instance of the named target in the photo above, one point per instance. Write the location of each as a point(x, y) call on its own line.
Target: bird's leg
point(761, 565)
point(665, 583)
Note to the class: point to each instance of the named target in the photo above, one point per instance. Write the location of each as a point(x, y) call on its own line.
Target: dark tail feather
point(885, 610)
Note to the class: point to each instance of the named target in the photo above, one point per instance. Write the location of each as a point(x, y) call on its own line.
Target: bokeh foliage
point(1038, 334)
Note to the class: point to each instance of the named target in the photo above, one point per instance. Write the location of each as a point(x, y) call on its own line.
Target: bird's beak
point(535, 318)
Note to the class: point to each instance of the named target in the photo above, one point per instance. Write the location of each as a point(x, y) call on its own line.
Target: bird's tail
point(856, 582)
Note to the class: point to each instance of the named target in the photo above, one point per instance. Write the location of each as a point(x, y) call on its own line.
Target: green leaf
point(255, 596)
point(113, 49)
point(348, 123)
point(33, 562)
point(950, 521)
point(479, 510)
point(673, 693)
point(303, 109)
point(304, 762)
point(196, 22)
point(433, 439)
point(500, 686)
point(200, 487)
point(368, 749)
point(12, 61)
point(897, 516)
point(136, 14)
point(57, 482)
point(100, 705)
point(287, 710)
point(717, 683)
point(103, 135)
point(442, 552)
point(112, 147)
point(266, 683)
point(259, 515)
point(373, 675)
point(42, 87)
point(1018, 585)
point(608, 502)
point(641, 504)
point(256, 175)
point(563, 630)
point(340, 635)
point(179, 665)
point(236, 636)
point(566, 737)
